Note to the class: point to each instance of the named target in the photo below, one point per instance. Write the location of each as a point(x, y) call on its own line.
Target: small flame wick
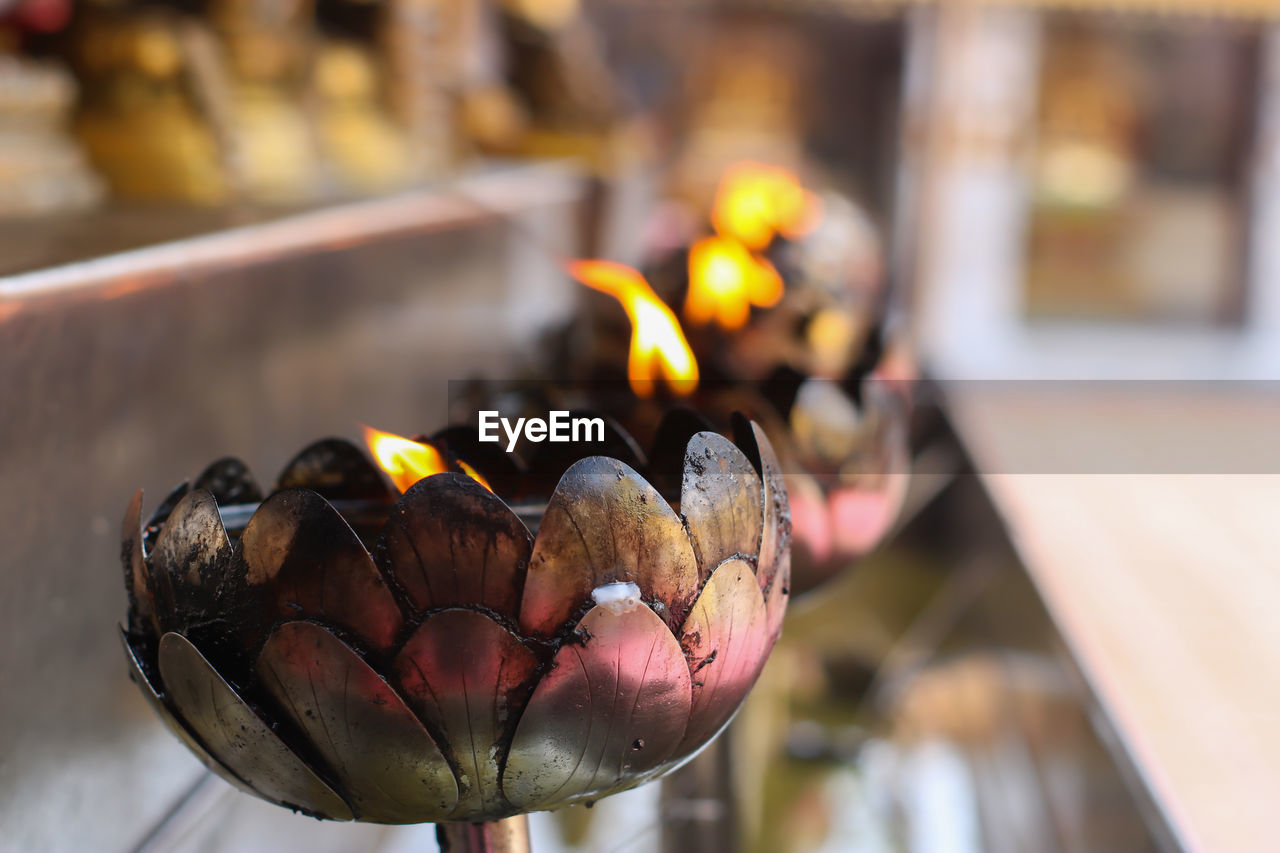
point(407, 461)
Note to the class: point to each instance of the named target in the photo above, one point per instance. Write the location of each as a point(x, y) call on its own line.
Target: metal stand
point(698, 806)
point(510, 835)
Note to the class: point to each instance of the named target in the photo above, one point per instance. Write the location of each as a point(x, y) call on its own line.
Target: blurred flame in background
point(658, 346)
point(407, 461)
point(755, 201)
point(725, 280)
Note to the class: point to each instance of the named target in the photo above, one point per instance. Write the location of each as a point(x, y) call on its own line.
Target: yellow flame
point(755, 201)
point(407, 461)
point(725, 280)
point(658, 346)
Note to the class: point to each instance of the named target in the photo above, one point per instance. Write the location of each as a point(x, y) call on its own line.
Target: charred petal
point(775, 534)
point(236, 737)
point(549, 460)
point(720, 500)
point(338, 470)
point(497, 466)
point(161, 515)
point(230, 482)
point(189, 563)
point(142, 672)
point(142, 604)
point(300, 558)
point(450, 541)
point(666, 456)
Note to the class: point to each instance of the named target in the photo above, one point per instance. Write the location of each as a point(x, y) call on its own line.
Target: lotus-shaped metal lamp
point(352, 653)
point(850, 474)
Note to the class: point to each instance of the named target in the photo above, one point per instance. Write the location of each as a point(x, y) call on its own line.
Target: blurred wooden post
point(427, 44)
point(699, 813)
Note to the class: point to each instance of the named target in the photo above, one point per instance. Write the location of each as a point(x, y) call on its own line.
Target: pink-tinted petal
point(605, 524)
point(810, 521)
point(388, 765)
point(468, 678)
point(726, 640)
point(613, 707)
point(189, 563)
point(861, 518)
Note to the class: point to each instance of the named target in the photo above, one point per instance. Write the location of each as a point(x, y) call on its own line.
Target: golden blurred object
point(492, 118)
point(364, 149)
point(156, 53)
point(1088, 125)
point(275, 156)
point(746, 88)
point(272, 150)
point(602, 150)
point(831, 334)
point(559, 72)
point(41, 168)
point(140, 120)
point(544, 14)
point(163, 153)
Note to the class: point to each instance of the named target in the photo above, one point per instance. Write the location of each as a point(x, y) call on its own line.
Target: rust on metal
point(451, 654)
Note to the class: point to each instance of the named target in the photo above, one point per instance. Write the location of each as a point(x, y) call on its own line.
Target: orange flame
point(407, 461)
point(725, 280)
point(658, 346)
point(726, 275)
point(755, 201)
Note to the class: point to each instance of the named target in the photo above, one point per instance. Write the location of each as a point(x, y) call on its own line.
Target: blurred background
point(233, 226)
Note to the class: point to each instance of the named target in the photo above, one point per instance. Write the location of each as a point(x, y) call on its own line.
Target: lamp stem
point(509, 835)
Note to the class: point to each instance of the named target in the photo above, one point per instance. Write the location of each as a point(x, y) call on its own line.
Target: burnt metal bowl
point(352, 653)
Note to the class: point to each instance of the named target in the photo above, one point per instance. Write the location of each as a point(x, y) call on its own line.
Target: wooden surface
point(1163, 577)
